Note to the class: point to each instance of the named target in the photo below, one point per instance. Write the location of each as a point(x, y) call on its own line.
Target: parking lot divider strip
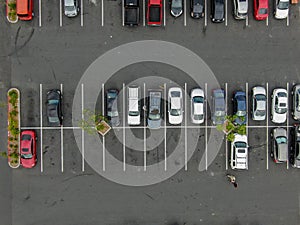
point(124, 130)
point(82, 130)
point(145, 143)
point(60, 13)
point(165, 123)
point(267, 123)
point(144, 13)
point(123, 13)
point(288, 20)
point(40, 13)
point(41, 126)
point(62, 138)
point(226, 142)
point(102, 13)
point(267, 21)
point(81, 13)
point(164, 13)
point(206, 126)
point(205, 12)
point(185, 127)
point(247, 105)
point(226, 13)
point(247, 21)
point(103, 146)
point(287, 123)
point(184, 12)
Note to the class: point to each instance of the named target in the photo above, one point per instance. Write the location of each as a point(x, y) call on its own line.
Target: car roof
point(175, 103)
point(282, 152)
point(263, 3)
point(198, 108)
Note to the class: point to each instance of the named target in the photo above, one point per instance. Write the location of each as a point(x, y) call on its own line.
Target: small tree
point(93, 121)
point(230, 127)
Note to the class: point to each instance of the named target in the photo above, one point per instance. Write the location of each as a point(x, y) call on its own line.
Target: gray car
point(296, 102)
point(154, 109)
point(112, 107)
point(71, 8)
point(259, 103)
point(279, 149)
point(218, 107)
point(295, 147)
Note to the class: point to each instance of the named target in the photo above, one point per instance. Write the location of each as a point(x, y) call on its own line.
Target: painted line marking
point(287, 124)
point(247, 21)
point(267, 127)
point(62, 138)
point(124, 141)
point(81, 13)
point(82, 130)
point(226, 142)
point(41, 126)
point(165, 122)
point(145, 143)
point(60, 13)
point(184, 13)
point(288, 20)
point(164, 13)
point(267, 21)
point(103, 139)
point(144, 13)
point(102, 13)
point(226, 20)
point(185, 130)
point(206, 126)
point(205, 12)
point(40, 13)
point(247, 104)
point(123, 13)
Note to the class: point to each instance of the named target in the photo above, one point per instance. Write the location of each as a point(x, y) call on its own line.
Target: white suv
point(281, 9)
point(279, 105)
point(134, 116)
point(240, 9)
point(239, 152)
point(71, 8)
point(175, 105)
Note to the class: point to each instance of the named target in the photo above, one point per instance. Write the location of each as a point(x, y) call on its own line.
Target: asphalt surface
point(52, 55)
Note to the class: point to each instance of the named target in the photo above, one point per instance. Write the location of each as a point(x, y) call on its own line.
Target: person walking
point(232, 180)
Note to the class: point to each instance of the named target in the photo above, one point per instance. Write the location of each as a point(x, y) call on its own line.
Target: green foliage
point(230, 137)
point(3, 154)
point(14, 156)
point(231, 128)
point(90, 120)
point(12, 5)
point(220, 127)
point(14, 113)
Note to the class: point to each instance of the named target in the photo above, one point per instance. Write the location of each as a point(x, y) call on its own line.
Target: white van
point(134, 115)
point(239, 152)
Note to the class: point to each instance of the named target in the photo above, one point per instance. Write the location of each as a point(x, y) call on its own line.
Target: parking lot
point(54, 51)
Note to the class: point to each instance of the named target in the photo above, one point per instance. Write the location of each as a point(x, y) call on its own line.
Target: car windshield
point(134, 113)
point(177, 4)
point(175, 112)
point(53, 101)
point(241, 113)
point(154, 115)
point(198, 99)
point(112, 113)
point(282, 94)
point(281, 140)
point(26, 156)
point(260, 97)
point(25, 137)
point(70, 8)
point(219, 113)
point(240, 144)
point(53, 119)
point(283, 5)
point(219, 95)
point(260, 112)
point(262, 11)
point(198, 117)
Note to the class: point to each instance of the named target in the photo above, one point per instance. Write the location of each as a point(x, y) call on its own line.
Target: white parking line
point(124, 141)
point(267, 127)
point(288, 20)
point(81, 13)
point(103, 139)
point(164, 13)
point(205, 125)
point(267, 21)
point(145, 143)
point(185, 130)
point(247, 21)
point(287, 123)
point(51, 128)
point(82, 130)
point(102, 13)
point(165, 122)
point(123, 13)
point(41, 126)
point(184, 12)
point(226, 13)
point(226, 142)
point(62, 138)
point(60, 13)
point(144, 13)
point(40, 13)
point(205, 12)
point(247, 104)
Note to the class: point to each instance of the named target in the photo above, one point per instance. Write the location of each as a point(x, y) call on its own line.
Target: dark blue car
point(240, 107)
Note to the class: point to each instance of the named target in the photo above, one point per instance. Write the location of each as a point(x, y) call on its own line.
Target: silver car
point(279, 149)
point(71, 8)
point(240, 9)
point(259, 103)
point(296, 102)
point(295, 147)
point(154, 109)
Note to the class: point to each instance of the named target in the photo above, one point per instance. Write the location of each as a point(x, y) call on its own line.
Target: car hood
point(219, 11)
point(176, 11)
point(134, 120)
point(154, 124)
point(175, 119)
point(279, 118)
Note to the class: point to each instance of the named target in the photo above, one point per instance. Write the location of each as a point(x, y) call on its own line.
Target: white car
point(279, 105)
point(197, 106)
point(175, 105)
point(281, 9)
point(71, 8)
point(134, 115)
point(239, 152)
point(259, 103)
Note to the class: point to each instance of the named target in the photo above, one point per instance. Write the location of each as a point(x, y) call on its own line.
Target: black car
point(197, 9)
point(295, 147)
point(176, 8)
point(218, 11)
point(54, 109)
point(112, 107)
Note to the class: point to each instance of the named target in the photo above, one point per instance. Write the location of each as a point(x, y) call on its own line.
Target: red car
point(261, 9)
point(25, 9)
point(154, 13)
point(28, 148)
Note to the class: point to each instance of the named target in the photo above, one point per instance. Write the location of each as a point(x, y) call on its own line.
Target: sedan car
point(279, 146)
point(175, 105)
point(240, 9)
point(28, 148)
point(218, 11)
point(296, 102)
point(112, 107)
point(259, 103)
point(197, 9)
point(239, 152)
point(71, 8)
point(197, 106)
point(295, 147)
point(240, 107)
point(281, 9)
point(54, 107)
point(154, 109)
point(218, 106)
point(176, 8)
point(279, 105)
point(261, 9)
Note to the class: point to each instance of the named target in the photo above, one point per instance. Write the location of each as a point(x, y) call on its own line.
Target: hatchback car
point(54, 107)
point(154, 109)
point(240, 9)
point(71, 8)
point(239, 152)
point(279, 105)
point(279, 149)
point(295, 147)
point(259, 103)
point(197, 106)
point(296, 102)
point(261, 9)
point(175, 105)
point(218, 106)
point(218, 11)
point(134, 115)
point(240, 107)
point(28, 148)
point(197, 9)
point(281, 9)
point(112, 107)
point(176, 8)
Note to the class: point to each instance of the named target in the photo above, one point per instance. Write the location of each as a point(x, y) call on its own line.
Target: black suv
point(218, 11)
point(197, 9)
